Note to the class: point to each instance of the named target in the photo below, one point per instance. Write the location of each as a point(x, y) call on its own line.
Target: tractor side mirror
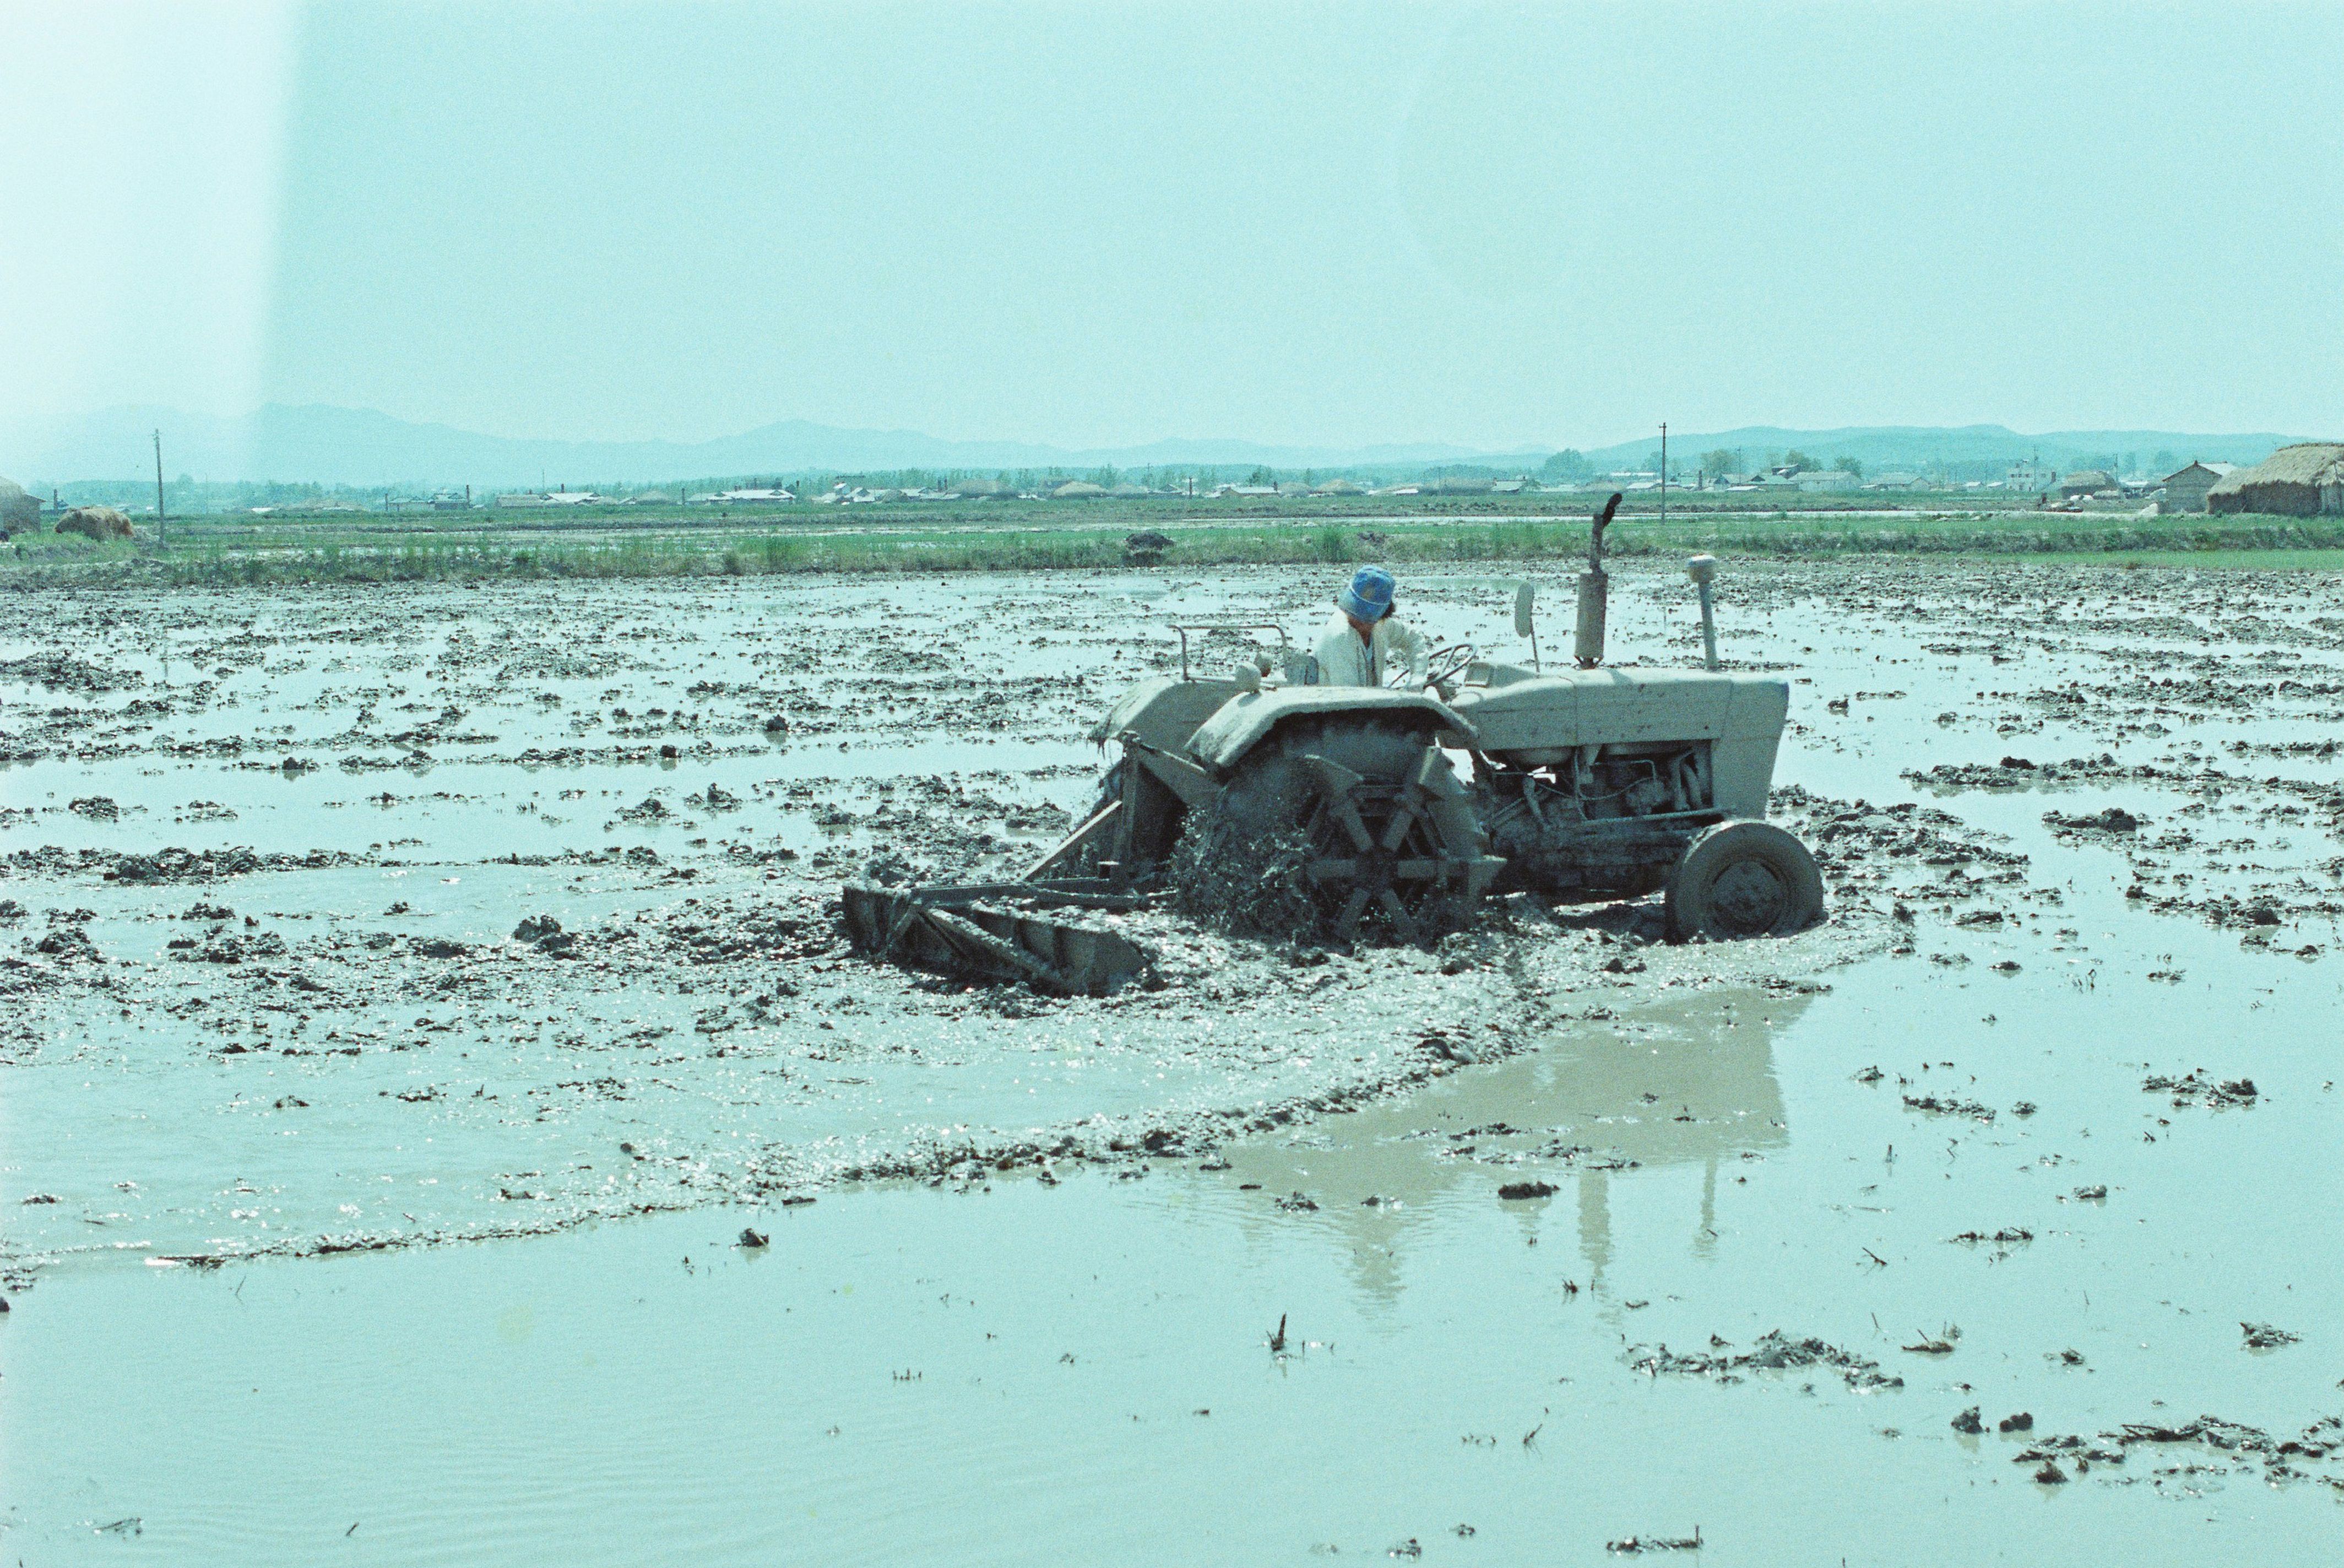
point(1524, 597)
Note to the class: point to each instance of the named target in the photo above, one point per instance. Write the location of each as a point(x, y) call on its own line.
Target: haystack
point(94, 522)
point(2305, 480)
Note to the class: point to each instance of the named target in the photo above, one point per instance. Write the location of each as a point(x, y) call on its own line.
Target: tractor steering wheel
point(1445, 663)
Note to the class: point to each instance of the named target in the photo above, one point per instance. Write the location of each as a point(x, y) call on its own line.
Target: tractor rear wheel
point(1355, 826)
point(1743, 879)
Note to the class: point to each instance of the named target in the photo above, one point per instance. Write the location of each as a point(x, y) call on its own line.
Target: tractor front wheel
point(1743, 879)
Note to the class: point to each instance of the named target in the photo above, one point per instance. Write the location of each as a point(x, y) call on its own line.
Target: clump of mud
point(2207, 1445)
point(1775, 1351)
point(1256, 883)
point(2197, 1087)
point(1247, 883)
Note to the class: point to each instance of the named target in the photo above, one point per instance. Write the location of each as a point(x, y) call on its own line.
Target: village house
point(2034, 475)
point(2305, 480)
point(20, 512)
point(2184, 490)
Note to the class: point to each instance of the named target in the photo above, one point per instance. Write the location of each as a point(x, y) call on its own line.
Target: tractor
point(1388, 811)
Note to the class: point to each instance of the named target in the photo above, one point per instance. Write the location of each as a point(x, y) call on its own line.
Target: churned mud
point(342, 921)
point(451, 922)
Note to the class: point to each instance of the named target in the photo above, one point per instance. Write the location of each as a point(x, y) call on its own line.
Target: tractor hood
point(1244, 719)
point(1538, 718)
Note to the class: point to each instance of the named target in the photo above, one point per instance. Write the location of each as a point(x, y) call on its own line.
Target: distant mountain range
point(1883, 447)
point(325, 445)
point(361, 446)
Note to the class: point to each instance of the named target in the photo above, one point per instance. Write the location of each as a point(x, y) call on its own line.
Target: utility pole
point(1665, 473)
point(158, 486)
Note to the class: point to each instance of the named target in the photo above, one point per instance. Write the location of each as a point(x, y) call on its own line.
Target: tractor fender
point(1245, 720)
point(1164, 710)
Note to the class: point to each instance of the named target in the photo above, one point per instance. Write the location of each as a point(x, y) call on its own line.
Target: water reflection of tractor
point(1302, 808)
point(1595, 782)
point(1688, 1084)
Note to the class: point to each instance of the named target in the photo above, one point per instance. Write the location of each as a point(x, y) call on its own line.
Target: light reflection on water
point(1017, 1374)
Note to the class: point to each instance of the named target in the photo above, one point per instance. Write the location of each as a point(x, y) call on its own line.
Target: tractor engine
point(1607, 820)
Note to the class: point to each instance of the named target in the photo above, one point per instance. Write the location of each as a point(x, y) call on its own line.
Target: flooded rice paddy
point(343, 924)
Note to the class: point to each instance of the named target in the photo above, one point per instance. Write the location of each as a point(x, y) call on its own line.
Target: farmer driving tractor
point(1364, 640)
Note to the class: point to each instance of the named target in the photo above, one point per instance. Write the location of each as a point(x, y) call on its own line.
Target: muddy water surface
point(1068, 1228)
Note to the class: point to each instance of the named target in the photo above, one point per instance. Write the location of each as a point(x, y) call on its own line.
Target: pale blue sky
point(1099, 224)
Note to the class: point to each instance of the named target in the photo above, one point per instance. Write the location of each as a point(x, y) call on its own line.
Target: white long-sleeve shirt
point(1347, 660)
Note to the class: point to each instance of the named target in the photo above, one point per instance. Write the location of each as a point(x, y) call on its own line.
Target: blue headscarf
point(1369, 596)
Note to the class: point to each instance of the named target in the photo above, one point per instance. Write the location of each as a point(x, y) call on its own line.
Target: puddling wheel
point(1383, 825)
point(1743, 879)
point(1374, 842)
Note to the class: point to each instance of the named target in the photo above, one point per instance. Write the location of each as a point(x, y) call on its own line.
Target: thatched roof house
point(2305, 480)
point(18, 510)
point(1078, 490)
point(2087, 481)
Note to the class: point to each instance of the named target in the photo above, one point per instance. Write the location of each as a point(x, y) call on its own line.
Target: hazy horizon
point(1497, 230)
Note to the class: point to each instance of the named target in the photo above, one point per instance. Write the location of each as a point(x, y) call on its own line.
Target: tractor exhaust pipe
point(1588, 646)
point(1594, 592)
point(1703, 569)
